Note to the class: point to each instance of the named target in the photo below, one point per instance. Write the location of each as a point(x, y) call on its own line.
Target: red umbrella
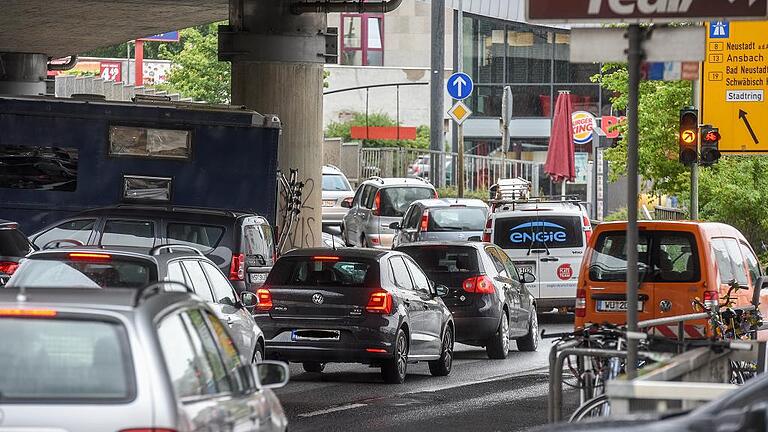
point(560, 165)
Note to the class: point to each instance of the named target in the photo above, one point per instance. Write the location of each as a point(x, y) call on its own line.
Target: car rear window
point(202, 237)
point(538, 232)
point(457, 219)
point(445, 265)
point(258, 240)
point(324, 271)
point(396, 200)
point(335, 182)
point(64, 360)
point(83, 273)
point(13, 243)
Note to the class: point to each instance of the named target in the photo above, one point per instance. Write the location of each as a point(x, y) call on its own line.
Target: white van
point(546, 238)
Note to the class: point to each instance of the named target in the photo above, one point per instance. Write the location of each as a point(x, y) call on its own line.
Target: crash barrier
point(480, 172)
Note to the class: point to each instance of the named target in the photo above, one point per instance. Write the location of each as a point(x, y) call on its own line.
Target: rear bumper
point(546, 304)
point(475, 329)
point(333, 215)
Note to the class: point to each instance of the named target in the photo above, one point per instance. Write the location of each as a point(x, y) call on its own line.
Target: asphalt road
point(479, 395)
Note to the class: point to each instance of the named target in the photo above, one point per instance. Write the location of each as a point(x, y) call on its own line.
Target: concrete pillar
point(23, 73)
point(277, 68)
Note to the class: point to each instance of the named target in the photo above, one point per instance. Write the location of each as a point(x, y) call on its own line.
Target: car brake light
point(487, 230)
point(424, 221)
point(377, 204)
point(380, 302)
point(326, 258)
point(581, 303)
point(711, 299)
point(376, 350)
point(86, 256)
point(8, 267)
point(478, 285)
point(237, 268)
point(587, 228)
point(36, 313)
point(264, 297)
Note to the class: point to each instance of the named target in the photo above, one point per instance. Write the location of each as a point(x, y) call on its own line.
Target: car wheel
point(313, 367)
point(442, 366)
point(497, 347)
point(394, 370)
point(258, 353)
point(530, 342)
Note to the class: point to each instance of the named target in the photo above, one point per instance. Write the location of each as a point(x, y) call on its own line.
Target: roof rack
point(156, 288)
point(545, 199)
point(376, 178)
point(158, 250)
point(224, 212)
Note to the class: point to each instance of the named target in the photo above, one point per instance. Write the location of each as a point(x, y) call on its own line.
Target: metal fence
point(480, 172)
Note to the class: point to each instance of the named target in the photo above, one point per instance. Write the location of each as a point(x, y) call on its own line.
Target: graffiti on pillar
point(295, 231)
point(303, 234)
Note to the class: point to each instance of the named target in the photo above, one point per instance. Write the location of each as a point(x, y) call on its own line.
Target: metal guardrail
point(668, 213)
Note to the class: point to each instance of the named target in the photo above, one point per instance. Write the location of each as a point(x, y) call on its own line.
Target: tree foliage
point(343, 130)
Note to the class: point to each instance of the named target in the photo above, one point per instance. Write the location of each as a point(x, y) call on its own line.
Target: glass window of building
point(529, 54)
point(362, 40)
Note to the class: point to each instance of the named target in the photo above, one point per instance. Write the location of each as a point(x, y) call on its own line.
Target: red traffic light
point(712, 136)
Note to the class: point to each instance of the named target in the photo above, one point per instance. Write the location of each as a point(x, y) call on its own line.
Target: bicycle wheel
point(741, 371)
point(599, 406)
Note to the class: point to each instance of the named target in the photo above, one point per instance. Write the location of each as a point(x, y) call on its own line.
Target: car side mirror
point(248, 299)
point(272, 374)
point(347, 203)
point(395, 226)
point(760, 284)
point(441, 290)
point(527, 278)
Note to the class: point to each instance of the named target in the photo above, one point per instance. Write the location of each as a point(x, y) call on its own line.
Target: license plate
point(315, 335)
point(329, 203)
point(616, 306)
point(524, 268)
point(258, 277)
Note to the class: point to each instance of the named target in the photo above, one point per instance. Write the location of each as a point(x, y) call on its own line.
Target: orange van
point(677, 261)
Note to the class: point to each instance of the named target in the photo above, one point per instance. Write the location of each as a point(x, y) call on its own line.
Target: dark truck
point(62, 156)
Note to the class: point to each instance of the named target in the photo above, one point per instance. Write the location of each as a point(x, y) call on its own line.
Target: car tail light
point(424, 221)
point(348, 200)
point(375, 241)
point(479, 285)
point(380, 302)
point(8, 267)
point(377, 204)
point(326, 258)
point(33, 313)
point(237, 268)
point(587, 228)
point(581, 303)
point(376, 350)
point(711, 299)
point(487, 230)
point(264, 297)
point(87, 256)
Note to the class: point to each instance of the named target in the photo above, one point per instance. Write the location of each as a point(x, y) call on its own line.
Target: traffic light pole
point(695, 166)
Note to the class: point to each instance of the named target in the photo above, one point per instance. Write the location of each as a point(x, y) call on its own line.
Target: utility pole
point(436, 81)
point(506, 115)
point(459, 168)
point(695, 166)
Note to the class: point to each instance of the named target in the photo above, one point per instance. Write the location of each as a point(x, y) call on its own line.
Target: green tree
point(343, 130)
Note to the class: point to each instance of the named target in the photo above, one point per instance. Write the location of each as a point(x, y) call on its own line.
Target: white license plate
point(258, 277)
point(329, 203)
point(521, 268)
point(616, 306)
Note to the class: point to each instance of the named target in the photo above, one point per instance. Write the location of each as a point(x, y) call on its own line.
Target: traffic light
point(689, 136)
point(710, 143)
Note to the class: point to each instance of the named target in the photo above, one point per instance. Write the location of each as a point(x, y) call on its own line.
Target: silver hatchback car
point(447, 219)
point(336, 190)
point(93, 360)
point(377, 203)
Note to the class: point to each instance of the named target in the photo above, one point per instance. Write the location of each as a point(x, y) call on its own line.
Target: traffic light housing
point(689, 136)
point(710, 145)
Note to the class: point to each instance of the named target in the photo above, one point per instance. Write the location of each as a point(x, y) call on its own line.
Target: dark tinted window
point(395, 200)
point(222, 290)
point(457, 219)
point(443, 259)
point(38, 168)
point(202, 237)
point(258, 240)
point(64, 360)
point(538, 232)
point(335, 182)
point(319, 271)
point(675, 257)
point(198, 280)
point(128, 233)
point(188, 368)
point(79, 230)
point(83, 273)
point(13, 243)
point(400, 273)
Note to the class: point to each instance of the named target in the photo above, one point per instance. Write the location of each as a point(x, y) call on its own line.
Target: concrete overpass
point(276, 48)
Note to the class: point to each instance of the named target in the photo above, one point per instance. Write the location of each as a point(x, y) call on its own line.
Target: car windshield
point(335, 183)
point(82, 273)
point(323, 271)
point(396, 200)
point(64, 360)
point(538, 232)
point(457, 219)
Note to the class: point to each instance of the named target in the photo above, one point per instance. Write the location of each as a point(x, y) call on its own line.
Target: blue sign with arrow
point(460, 86)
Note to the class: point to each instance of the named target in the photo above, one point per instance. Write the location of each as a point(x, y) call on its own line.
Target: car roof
point(331, 169)
point(161, 211)
point(399, 181)
point(340, 252)
point(551, 207)
point(450, 202)
point(158, 259)
point(115, 299)
point(429, 244)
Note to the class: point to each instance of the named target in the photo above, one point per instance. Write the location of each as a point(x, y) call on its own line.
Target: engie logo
point(584, 125)
point(541, 232)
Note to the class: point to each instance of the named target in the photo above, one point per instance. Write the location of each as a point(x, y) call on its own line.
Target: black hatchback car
point(487, 296)
point(352, 305)
point(13, 247)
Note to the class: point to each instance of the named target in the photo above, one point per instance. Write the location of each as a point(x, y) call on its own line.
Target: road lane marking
point(333, 410)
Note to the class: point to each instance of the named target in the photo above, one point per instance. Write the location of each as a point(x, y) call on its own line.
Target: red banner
point(383, 132)
point(111, 71)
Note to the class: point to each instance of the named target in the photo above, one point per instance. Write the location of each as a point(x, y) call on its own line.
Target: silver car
point(448, 219)
point(93, 360)
point(377, 203)
point(336, 189)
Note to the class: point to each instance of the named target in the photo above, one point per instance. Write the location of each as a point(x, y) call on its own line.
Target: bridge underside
point(60, 28)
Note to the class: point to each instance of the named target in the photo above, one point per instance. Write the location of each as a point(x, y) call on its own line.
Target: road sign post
point(460, 86)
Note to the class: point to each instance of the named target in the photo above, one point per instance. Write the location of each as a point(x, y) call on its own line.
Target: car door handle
point(550, 259)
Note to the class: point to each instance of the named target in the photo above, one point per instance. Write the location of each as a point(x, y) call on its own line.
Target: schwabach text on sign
point(643, 10)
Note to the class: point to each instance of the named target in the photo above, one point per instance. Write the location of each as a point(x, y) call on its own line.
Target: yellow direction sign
point(735, 84)
point(459, 112)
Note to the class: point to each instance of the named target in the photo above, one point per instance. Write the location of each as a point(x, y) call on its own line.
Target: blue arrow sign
point(460, 86)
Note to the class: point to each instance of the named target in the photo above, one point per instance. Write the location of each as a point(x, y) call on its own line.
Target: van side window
point(739, 266)
point(400, 273)
point(677, 259)
point(752, 263)
point(135, 233)
point(79, 230)
point(202, 237)
point(730, 265)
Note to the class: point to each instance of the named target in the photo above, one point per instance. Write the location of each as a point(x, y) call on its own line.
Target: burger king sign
point(584, 125)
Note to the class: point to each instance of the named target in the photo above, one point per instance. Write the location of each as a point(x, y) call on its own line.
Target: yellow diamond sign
point(459, 112)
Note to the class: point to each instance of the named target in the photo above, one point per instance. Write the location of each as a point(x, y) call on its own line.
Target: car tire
point(530, 342)
point(258, 354)
point(443, 366)
point(313, 367)
point(395, 369)
point(497, 347)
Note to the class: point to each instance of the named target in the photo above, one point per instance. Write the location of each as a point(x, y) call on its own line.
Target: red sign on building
point(111, 71)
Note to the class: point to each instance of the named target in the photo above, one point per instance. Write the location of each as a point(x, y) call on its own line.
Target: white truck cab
point(546, 237)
